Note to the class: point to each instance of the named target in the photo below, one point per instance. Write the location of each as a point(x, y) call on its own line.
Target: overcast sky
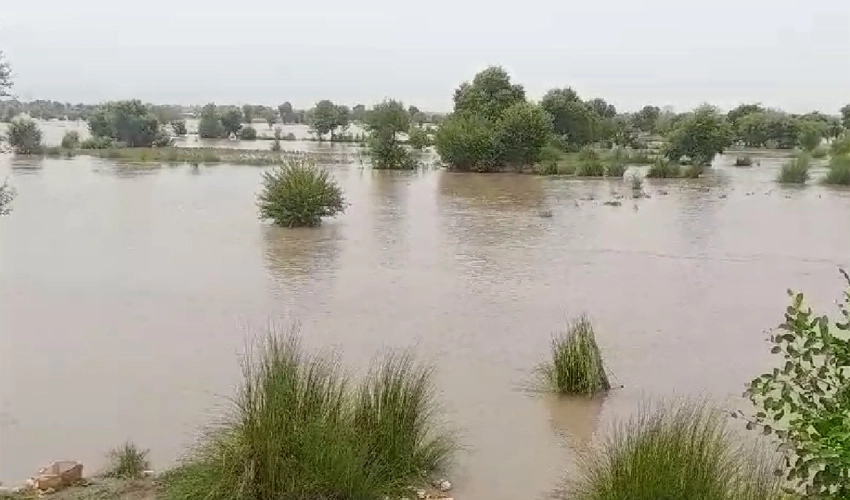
point(792, 54)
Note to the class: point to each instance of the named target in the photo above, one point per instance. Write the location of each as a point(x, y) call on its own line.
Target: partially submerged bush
point(418, 138)
point(796, 171)
point(299, 194)
point(744, 161)
point(248, 133)
point(71, 140)
point(664, 169)
point(179, 127)
point(127, 462)
point(576, 365)
point(616, 163)
point(299, 431)
point(693, 171)
point(684, 452)
point(589, 163)
point(839, 170)
point(24, 137)
point(820, 152)
point(97, 143)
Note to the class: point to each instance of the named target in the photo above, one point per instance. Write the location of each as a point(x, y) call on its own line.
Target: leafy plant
point(24, 137)
point(418, 138)
point(795, 171)
point(71, 140)
point(7, 194)
point(248, 133)
point(179, 127)
point(664, 169)
point(385, 122)
point(97, 143)
point(841, 145)
point(805, 399)
point(127, 462)
point(576, 365)
point(839, 170)
point(699, 137)
point(299, 194)
point(589, 163)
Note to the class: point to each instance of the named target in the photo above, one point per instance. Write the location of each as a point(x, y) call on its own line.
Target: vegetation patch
point(127, 462)
point(24, 137)
point(744, 161)
point(589, 163)
point(299, 194)
point(576, 365)
point(796, 171)
point(664, 169)
point(839, 171)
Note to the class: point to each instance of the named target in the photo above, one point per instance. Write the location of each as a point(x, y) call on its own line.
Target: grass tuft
point(589, 163)
point(576, 365)
point(127, 462)
point(664, 169)
point(796, 171)
point(820, 152)
point(839, 171)
point(680, 452)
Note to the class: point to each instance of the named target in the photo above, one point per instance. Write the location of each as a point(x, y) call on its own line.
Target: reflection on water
point(117, 282)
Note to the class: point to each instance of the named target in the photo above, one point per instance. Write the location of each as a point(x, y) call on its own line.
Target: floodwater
point(126, 295)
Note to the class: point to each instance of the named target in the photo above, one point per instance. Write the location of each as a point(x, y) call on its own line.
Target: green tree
point(285, 112)
point(523, 131)
point(467, 142)
point(385, 122)
point(231, 121)
point(412, 110)
point(845, 116)
point(811, 133)
point(699, 137)
point(271, 118)
point(418, 138)
point(5, 76)
point(737, 114)
point(324, 118)
point(489, 95)
point(209, 126)
point(24, 137)
point(179, 127)
point(248, 113)
point(574, 121)
point(602, 108)
point(805, 399)
point(358, 113)
point(248, 133)
point(646, 119)
point(343, 119)
point(128, 122)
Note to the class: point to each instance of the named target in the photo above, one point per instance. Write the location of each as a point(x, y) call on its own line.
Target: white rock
point(445, 485)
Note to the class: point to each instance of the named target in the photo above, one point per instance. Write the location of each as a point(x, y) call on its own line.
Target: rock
point(445, 485)
point(723, 196)
point(663, 192)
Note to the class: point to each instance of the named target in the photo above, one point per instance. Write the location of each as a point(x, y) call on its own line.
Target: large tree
point(231, 121)
point(602, 108)
point(285, 112)
point(489, 95)
point(699, 137)
point(573, 120)
point(248, 112)
point(524, 130)
point(323, 119)
point(128, 122)
point(385, 122)
point(646, 119)
point(209, 127)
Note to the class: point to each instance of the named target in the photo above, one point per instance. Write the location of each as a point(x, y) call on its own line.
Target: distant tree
point(524, 130)
point(271, 118)
point(384, 122)
point(845, 116)
point(468, 142)
point(128, 122)
point(602, 108)
point(248, 113)
point(810, 134)
point(646, 119)
point(489, 95)
point(179, 127)
point(24, 137)
point(7, 194)
point(248, 133)
point(324, 118)
point(699, 137)
point(358, 113)
point(209, 126)
point(343, 118)
point(418, 138)
point(231, 121)
point(623, 132)
point(412, 110)
point(5, 76)
point(71, 140)
point(574, 121)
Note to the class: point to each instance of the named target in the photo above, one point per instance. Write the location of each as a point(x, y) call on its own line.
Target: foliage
point(572, 119)
point(664, 169)
point(602, 108)
point(271, 118)
point(231, 122)
point(127, 462)
point(489, 95)
point(324, 118)
point(820, 152)
point(839, 170)
point(693, 171)
point(418, 138)
point(645, 119)
point(768, 128)
point(299, 194)
point(682, 451)
point(576, 365)
point(550, 156)
point(805, 400)
point(845, 116)
point(615, 165)
point(97, 143)
point(248, 133)
point(179, 127)
point(285, 112)
point(248, 113)
point(699, 137)
point(384, 122)
point(744, 161)
point(796, 171)
point(5, 76)
point(523, 131)
point(299, 430)
point(71, 140)
point(210, 126)
point(7, 194)
point(589, 163)
point(840, 146)
point(128, 122)
point(24, 136)
point(810, 134)
point(468, 143)
point(735, 115)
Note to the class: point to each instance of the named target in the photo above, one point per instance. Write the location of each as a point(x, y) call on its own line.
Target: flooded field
point(126, 295)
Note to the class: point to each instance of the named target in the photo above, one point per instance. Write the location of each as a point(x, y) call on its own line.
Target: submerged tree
point(24, 137)
point(129, 122)
point(575, 122)
point(285, 112)
point(248, 113)
point(489, 95)
point(699, 137)
point(524, 130)
point(231, 121)
point(385, 122)
point(299, 194)
point(271, 118)
point(324, 118)
point(179, 127)
point(209, 127)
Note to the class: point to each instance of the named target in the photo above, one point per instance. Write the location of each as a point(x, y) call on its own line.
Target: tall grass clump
point(616, 163)
point(127, 462)
point(840, 146)
point(71, 140)
point(576, 365)
point(589, 163)
point(299, 430)
point(681, 452)
point(664, 169)
point(299, 194)
point(820, 152)
point(839, 170)
point(24, 137)
point(796, 171)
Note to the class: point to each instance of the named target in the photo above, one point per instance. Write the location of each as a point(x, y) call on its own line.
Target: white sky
point(792, 54)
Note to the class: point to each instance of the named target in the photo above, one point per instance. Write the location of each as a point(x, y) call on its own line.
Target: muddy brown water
point(126, 295)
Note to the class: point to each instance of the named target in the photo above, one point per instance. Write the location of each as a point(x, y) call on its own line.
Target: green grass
point(664, 169)
point(576, 365)
point(179, 155)
point(127, 462)
point(820, 152)
point(839, 171)
point(796, 171)
point(840, 146)
point(300, 430)
point(589, 163)
point(681, 452)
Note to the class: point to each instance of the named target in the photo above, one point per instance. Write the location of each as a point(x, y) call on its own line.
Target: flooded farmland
point(126, 295)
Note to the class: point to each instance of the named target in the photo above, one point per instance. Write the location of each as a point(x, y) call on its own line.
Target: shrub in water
point(616, 164)
point(840, 146)
point(589, 163)
point(820, 152)
point(71, 140)
point(681, 452)
point(664, 169)
point(97, 143)
point(127, 462)
point(248, 133)
point(839, 170)
point(7, 194)
point(549, 157)
point(24, 137)
point(796, 171)
point(299, 194)
point(743, 161)
point(576, 366)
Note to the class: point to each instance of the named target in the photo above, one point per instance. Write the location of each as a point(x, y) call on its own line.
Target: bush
point(839, 170)
point(549, 158)
point(298, 431)
point(803, 400)
point(589, 163)
point(127, 462)
point(744, 161)
point(128, 122)
point(418, 138)
point(209, 126)
point(795, 171)
point(71, 140)
point(693, 171)
point(179, 127)
point(616, 163)
point(684, 452)
point(7, 194)
point(24, 137)
point(576, 366)
point(664, 169)
point(820, 152)
point(466, 143)
point(299, 194)
point(840, 146)
point(97, 143)
point(248, 133)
